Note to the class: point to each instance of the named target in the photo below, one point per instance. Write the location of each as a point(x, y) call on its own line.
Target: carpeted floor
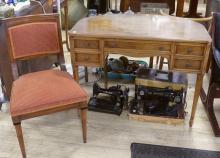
point(158, 151)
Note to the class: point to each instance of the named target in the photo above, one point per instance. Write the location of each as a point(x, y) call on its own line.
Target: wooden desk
point(183, 42)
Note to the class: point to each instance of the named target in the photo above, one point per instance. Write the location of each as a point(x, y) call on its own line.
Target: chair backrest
point(206, 21)
point(216, 31)
point(212, 6)
point(33, 36)
point(135, 4)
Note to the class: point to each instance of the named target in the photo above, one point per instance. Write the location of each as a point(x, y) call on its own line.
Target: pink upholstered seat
point(44, 90)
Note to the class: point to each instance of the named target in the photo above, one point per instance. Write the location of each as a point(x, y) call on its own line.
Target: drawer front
point(190, 50)
point(87, 58)
point(187, 64)
point(138, 45)
point(87, 44)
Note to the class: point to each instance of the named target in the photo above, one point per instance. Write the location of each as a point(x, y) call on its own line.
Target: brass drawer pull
point(86, 58)
point(188, 65)
point(88, 45)
point(189, 50)
point(113, 45)
point(161, 48)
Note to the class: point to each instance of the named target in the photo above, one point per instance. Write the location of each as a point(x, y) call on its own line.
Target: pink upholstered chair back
point(34, 37)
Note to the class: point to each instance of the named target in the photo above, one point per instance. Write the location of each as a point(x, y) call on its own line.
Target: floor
point(109, 136)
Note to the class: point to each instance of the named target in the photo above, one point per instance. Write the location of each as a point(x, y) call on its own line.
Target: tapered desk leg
point(76, 72)
point(106, 73)
point(196, 97)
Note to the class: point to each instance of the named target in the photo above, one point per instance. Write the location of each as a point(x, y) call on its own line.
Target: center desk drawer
point(87, 58)
point(190, 50)
point(87, 44)
point(160, 46)
point(187, 64)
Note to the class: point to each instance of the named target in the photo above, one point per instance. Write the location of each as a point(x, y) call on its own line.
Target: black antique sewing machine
point(111, 100)
point(159, 93)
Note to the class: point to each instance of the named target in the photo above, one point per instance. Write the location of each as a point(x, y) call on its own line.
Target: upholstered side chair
point(43, 92)
point(214, 83)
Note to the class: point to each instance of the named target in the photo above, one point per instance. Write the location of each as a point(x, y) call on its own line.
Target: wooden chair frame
point(214, 86)
point(65, 6)
point(81, 106)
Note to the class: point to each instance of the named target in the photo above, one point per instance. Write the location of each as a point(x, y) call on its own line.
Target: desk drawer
point(138, 45)
point(87, 44)
point(187, 64)
point(190, 50)
point(87, 58)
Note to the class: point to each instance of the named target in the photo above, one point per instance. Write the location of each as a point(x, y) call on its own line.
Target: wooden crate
point(156, 119)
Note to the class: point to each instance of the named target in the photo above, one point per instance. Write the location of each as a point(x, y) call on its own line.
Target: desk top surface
point(146, 27)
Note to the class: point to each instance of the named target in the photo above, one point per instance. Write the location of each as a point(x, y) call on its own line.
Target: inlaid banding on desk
point(87, 58)
point(88, 44)
point(190, 50)
point(138, 45)
point(188, 64)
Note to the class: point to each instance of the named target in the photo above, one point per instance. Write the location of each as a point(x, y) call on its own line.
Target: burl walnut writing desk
point(183, 42)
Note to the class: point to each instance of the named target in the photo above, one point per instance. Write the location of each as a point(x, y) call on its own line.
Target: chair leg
point(20, 138)
point(209, 63)
point(84, 123)
point(106, 73)
point(203, 97)
point(78, 112)
point(210, 110)
point(161, 63)
point(151, 62)
point(168, 63)
point(157, 61)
